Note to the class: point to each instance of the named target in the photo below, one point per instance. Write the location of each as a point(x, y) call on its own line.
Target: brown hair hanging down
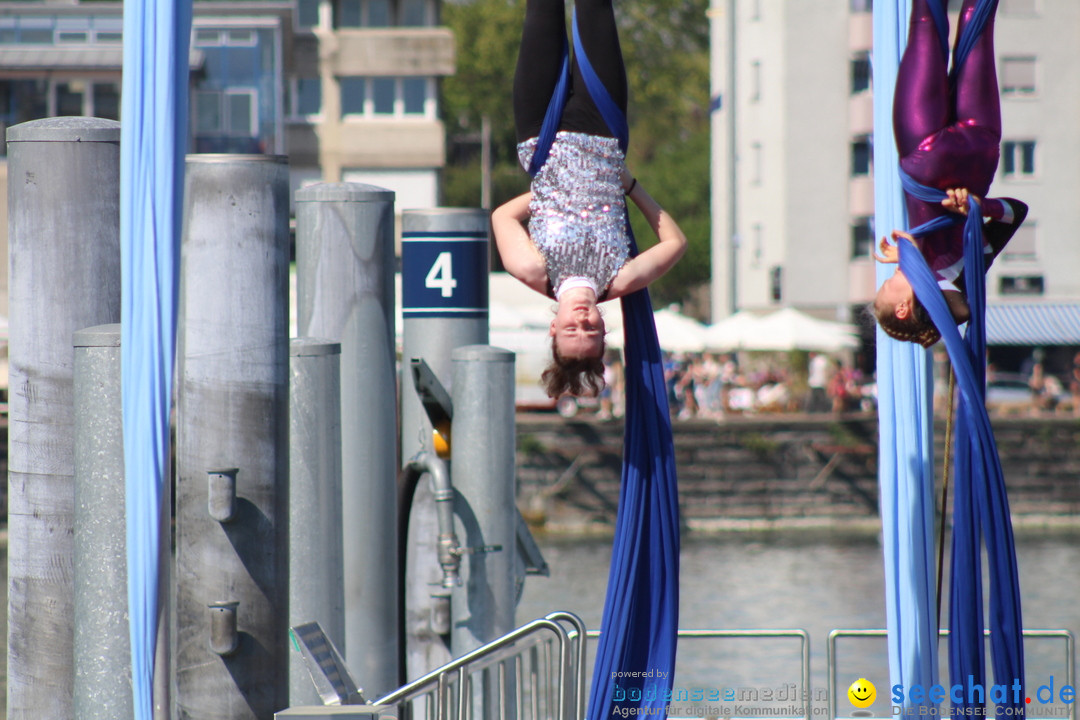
point(916, 327)
point(576, 376)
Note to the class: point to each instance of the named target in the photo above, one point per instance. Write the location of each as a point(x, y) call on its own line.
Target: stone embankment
point(779, 470)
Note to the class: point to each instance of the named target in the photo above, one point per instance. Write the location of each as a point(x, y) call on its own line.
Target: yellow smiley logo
point(862, 693)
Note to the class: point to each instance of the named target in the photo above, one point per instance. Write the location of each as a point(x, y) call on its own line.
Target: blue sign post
point(444, 274)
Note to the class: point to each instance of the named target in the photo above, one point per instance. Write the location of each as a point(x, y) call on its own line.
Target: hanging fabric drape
point(980, 507)
point(980, 504)
point(905, 411)
point(635, 655)
point(153, 141)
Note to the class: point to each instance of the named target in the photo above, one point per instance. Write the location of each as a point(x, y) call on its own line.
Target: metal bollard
point(232, 412)
point(444, 256)
point(316, 572)
point(345, 292)
point(484, 504)
point(102, 637)
point(64, 240)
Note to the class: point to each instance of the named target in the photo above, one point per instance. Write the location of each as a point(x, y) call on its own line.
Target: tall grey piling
point(64, 245)
point(484, 502)
point(232, 440)
point(102, 644)
point(345, 292)
point(444, 306)
point(316, 573)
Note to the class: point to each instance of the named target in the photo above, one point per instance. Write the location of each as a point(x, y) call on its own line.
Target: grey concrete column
point(345, 292)
point(64, 239)
point(102, 637)
point(316, 573)
point(484, 500)
point(444, 306)
point(232, 440)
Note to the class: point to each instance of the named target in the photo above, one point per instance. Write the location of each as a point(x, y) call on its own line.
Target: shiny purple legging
point(947, 137)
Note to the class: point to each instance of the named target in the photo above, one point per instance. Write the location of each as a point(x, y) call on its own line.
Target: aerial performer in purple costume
point(576, 248)
point(948, 136)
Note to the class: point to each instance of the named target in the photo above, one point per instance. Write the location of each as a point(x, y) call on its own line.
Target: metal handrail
point(459, 671)
point(802, 635)
point(1070, 655)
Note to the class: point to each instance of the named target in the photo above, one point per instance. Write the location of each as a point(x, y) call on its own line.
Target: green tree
point(666, 47)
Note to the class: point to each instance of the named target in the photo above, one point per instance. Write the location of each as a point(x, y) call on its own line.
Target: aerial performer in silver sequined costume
point(575, 247)
point(948, 135)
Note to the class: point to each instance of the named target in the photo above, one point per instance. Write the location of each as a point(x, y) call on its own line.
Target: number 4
point(441, 275)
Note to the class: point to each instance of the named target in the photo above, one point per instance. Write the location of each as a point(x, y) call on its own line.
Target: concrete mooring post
point(64, 247)
point(232, 440)
point(316, 572)
point(102, 640)
point(484, 499)
point(345, 292)
point(445, 257)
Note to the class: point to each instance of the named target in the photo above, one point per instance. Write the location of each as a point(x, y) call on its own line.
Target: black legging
point(539, 61)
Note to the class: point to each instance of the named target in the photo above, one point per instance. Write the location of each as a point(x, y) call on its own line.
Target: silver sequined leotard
point(577, 212)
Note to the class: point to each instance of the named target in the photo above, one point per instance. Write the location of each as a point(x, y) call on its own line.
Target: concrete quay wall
point(778, 470)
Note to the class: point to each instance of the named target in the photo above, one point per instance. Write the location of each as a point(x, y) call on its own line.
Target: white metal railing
point(535, 672)
point(1067, 636)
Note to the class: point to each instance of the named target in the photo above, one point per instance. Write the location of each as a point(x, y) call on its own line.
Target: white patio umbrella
point(789, 329)
point(734, 332)
point(678, 333)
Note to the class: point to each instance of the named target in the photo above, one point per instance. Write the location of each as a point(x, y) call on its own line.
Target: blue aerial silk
point(153, 141)
point(905, 413)
point(980, 506)
point(641, 609)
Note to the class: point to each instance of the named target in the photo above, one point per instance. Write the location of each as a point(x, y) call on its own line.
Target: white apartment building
point(793, 163)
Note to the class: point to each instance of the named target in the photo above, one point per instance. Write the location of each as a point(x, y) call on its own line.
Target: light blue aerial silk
point(635, 655)
point(905, 409)
point(980, 507)
point(153, 142)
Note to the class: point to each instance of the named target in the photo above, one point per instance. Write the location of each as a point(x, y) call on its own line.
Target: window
point(776, 283)
point(1022, 246)
point(862, 236)
point(347, 14)
point(858, 6)
point(69, 98)
point(106, 99)
point(413, 13)
point(307, 97)
point(861, 73)
point(378, 13)
point(1018, 158)
point(862, 151)
point(755, 163)
point(381, 13)
point(755, 81)
point(387, 97)
point(307, 13)
point(414, 93)
point(230, 113)
point(757, 232)
point(1017, 76)
point(353, 93)
point(382, 95)
point(1021, 285)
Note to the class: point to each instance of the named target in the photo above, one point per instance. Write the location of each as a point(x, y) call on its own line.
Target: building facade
point(793, 154)
point(347, 89)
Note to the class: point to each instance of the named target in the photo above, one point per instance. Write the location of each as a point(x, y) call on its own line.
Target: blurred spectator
point(1074, 385)
point(817, 377)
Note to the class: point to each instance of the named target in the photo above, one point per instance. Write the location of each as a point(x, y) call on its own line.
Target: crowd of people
point(713, 385)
